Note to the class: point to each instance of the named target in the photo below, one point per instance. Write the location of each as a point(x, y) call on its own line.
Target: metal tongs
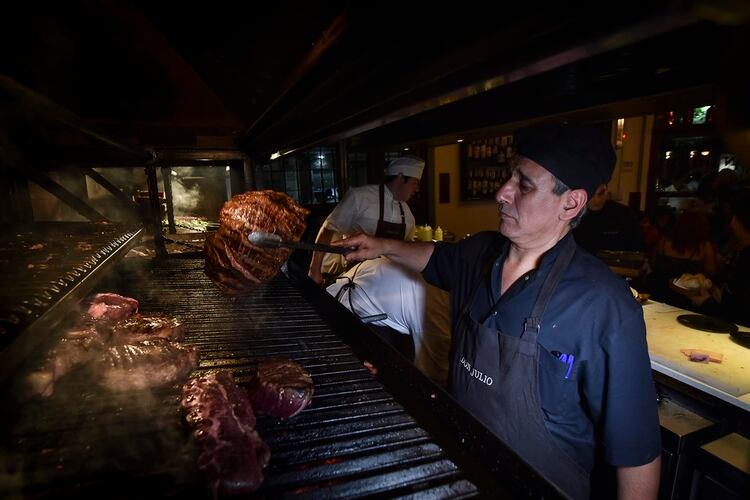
point(263, 239)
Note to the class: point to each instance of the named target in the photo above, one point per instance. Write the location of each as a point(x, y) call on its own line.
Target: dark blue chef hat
point(581, 157)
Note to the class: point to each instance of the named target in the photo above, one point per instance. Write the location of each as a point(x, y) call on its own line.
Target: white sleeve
point(341, 219)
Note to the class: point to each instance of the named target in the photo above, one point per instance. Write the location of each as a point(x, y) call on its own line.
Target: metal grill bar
point(45, 269)
point(354, 440)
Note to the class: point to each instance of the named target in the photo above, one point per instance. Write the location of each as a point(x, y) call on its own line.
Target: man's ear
point(575, 201)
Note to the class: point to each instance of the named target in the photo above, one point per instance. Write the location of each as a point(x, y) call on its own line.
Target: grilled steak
point(281, 388)
point(234, 263)
point(78, 346)
point(148, 363)
point(145, 327)
point(232, 453)
point(110, 306)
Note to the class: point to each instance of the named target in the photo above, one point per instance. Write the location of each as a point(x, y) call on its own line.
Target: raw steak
point(232, 453)
point(281, 388)
point(110, 306)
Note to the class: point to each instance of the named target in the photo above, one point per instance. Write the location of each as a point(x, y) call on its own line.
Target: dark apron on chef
point(390, 230)
point(495, 377)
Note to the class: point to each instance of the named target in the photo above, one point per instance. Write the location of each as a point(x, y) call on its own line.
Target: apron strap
point(534, 322)
point(382, 204)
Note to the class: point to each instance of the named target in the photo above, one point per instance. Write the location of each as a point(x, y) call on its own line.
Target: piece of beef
point(232, 453)
point(234, 263)
point(78, 346)
point(145, 327)
point(110, 306)
point(281, 388)
point(145, 364)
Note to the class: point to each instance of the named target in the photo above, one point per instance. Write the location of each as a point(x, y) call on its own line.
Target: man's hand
point(413, 256)
point(365, 247)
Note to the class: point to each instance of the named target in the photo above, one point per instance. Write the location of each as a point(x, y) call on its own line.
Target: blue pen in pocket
point(567, 359)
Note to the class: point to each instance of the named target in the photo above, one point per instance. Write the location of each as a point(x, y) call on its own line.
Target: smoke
point(185, 198)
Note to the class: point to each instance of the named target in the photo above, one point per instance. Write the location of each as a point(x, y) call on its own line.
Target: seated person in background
point(732, 301)
point(374, 209)
point(416, 311)
point(686, 249)
point(608, 225)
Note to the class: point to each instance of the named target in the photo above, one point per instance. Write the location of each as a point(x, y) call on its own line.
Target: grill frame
point(394, 435)
point(35, 304)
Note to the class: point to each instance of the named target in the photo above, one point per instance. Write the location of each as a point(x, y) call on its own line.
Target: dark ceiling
point(284, 75)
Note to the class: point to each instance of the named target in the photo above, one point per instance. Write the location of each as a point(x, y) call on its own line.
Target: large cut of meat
point(145, 327)
point(145, 364)
point(281, 388)
point(78, 346)
point(232, 453)
point(234, 263)
point(110, 306)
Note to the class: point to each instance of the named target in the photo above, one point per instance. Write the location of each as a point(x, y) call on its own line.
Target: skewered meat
point(281, 388)
point(111, 307)
point(234, 263)
point(78, 346)
point(232, 453)
point(148, 363)
point(145, 327)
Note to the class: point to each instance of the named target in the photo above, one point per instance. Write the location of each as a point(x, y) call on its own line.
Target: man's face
point(405, 188)
point(528, 209)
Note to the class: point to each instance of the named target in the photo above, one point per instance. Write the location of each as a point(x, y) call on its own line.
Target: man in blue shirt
point(549, 346)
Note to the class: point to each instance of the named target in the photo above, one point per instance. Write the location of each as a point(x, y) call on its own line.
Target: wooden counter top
point(728, 380)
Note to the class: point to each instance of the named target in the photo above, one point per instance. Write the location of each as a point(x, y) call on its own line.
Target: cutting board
point(666, 336)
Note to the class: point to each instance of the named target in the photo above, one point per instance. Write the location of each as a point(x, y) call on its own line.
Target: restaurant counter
point(728, 380)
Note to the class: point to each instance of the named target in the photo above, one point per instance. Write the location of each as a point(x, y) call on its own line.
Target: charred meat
point(78, 346)
point(145, 364)
point(232, 453)
point(111, 306)
point(145, 327)
point(235, 264)
point(281, 388)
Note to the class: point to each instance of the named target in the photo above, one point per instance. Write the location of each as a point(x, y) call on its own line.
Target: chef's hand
point(364, 247)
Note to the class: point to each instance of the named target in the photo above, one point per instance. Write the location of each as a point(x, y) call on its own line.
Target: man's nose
point(505, 193)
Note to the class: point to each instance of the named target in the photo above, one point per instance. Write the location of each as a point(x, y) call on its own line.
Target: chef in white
point(413, 307)
point(374, 209)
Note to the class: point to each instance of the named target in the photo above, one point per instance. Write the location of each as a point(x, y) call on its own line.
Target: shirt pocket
point(558, 388)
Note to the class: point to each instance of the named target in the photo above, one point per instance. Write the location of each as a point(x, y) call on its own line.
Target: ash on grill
point(235, 264)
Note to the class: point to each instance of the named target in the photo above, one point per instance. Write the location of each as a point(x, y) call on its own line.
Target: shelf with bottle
point(484, 166)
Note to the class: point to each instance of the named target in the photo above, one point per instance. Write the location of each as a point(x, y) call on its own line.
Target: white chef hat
point(409, 166)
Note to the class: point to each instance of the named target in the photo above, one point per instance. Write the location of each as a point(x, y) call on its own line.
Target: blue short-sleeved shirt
point(593, 316)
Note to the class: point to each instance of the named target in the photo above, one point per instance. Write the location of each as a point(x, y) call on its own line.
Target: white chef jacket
point(358, 212)
point(413, 307)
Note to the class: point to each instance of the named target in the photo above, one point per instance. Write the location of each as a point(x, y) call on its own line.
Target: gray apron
point(390, 230)
point(495, 377)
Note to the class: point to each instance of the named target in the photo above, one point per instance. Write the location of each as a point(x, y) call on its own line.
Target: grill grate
point(354, 440)
point(45, 268)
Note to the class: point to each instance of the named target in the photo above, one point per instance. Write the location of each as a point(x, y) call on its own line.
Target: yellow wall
point(631, 170)
point(458, 217)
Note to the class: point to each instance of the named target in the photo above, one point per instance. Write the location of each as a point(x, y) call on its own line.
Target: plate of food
point(691, 284)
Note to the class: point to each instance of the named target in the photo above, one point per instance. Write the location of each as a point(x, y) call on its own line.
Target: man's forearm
point(640, 482)
point(413, 256)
